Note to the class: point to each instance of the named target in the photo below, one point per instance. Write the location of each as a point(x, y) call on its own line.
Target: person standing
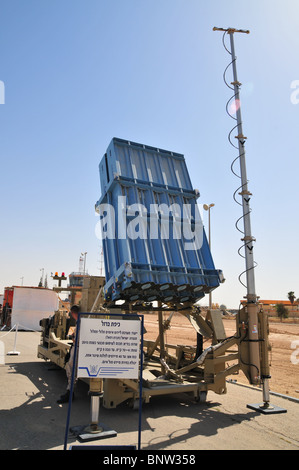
point(69, 364)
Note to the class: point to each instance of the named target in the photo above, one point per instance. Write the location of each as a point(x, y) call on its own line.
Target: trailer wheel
point(134, 403)
point(202, 397)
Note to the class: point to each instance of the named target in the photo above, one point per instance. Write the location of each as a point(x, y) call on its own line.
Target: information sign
point(109, 348)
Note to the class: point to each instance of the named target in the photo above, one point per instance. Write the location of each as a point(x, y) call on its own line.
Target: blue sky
point(77, 73)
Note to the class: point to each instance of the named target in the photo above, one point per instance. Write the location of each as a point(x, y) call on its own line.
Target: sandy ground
point(284, 340)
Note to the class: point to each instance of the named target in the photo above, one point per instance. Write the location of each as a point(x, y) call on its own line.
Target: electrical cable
point(240, 188)
point(232, 106)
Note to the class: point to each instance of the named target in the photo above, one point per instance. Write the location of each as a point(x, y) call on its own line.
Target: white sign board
point(108, 348)
point(31, 304)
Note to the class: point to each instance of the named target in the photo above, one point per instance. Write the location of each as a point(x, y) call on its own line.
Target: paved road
point(30, 418)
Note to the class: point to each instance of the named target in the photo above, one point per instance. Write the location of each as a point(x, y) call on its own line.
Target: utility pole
point(259, 366)
point(84, 254)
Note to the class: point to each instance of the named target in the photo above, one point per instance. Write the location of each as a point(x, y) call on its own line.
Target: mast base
point(266, 408)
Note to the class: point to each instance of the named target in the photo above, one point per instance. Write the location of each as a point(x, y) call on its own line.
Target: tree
point(291, 296)
point(282, 311)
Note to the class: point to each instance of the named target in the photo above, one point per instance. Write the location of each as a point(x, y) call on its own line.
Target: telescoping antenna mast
point(259, 363)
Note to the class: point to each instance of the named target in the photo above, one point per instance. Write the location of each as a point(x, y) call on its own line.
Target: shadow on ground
point(39, 423)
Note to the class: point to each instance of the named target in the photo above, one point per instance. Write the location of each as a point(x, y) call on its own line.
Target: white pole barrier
point(14, 352)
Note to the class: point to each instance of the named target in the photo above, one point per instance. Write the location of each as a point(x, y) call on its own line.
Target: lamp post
point(207, 207)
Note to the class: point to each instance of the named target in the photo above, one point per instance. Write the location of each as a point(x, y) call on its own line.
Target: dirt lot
point(284, 372)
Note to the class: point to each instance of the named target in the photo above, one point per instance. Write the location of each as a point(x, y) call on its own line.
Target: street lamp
point(207, 207)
